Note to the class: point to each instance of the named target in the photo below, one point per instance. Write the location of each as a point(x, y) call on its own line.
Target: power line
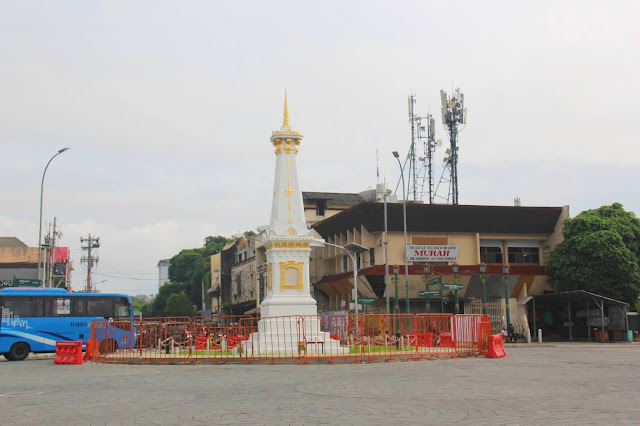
point(126, 278)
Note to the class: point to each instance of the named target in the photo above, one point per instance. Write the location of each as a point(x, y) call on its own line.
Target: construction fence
point(329, 338)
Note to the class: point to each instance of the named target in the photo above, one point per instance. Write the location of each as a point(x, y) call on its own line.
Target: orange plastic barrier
point(484, 331)
point(496, 347)
point(91, 351)
point(68, 353)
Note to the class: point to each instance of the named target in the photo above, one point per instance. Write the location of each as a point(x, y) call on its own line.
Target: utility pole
point(90, 259)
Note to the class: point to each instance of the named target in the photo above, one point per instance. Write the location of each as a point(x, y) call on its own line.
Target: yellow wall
point(18, 254)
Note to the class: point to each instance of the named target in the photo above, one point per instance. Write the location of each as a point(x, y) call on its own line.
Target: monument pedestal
point(291, 336)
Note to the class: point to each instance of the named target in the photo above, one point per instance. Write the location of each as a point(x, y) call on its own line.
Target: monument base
point(281, 306)
point(291, 336)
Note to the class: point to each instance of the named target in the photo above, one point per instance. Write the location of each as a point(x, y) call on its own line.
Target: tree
point(600, 254)
point(178, 305)
point(160, 301)
point(190, 267)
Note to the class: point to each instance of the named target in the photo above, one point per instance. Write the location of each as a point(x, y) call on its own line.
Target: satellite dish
point(439, 142)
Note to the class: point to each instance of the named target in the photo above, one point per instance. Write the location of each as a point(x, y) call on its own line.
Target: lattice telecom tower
point(453, 114)
point(420, 158)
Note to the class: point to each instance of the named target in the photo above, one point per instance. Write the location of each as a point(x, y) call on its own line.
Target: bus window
point(58, 306)
point(79, 307)
point(122, 308)
point(100, 307)
point(17, 306)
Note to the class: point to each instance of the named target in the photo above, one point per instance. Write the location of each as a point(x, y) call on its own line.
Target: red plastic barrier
point(446, 340)
point(68, 353)
point(496, 347)
point(91, 351)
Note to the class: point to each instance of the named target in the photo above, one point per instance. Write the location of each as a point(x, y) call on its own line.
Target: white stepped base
point(291, 336)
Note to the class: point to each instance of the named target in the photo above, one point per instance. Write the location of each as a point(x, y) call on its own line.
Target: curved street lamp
point(353, 250)
point(40, 222)
point(404, 218)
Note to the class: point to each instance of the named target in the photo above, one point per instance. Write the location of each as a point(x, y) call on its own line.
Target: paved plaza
point(561, 384)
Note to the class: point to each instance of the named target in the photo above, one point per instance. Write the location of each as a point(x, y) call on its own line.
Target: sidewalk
point(591, 344)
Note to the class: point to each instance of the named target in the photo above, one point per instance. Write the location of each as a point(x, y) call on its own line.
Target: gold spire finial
point(285, 121)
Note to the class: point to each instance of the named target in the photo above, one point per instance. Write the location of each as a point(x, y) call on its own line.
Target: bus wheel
point(18, 351)
point(108, 346)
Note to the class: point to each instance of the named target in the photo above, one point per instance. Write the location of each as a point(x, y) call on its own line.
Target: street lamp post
point(396, 269)
point(505, 278)
point(455, 268)
point(483, 278)
point(404, 218)
point(352, 250)
point(427, 272)
point(40, 221)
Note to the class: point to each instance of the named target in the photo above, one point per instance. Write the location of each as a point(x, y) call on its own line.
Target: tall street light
point(483, 278)
point(404, 218)
point(505, 278)
point(40, 222)
point(396, 269)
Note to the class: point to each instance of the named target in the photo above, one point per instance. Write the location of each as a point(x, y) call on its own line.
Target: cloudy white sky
point(168, 107)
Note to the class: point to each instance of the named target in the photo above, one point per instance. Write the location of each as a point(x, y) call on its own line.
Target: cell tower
point(453, 114)
point(419, 161)
point(91, 259)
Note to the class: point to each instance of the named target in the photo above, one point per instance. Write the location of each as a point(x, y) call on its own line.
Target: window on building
point(238, 285)
point(524, 255)
point(372, 257)
point(491, 254)
point(358, 263)
point(345, 264)
point(321, 205)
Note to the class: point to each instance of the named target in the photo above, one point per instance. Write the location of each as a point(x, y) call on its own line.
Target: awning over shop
point(575, 308)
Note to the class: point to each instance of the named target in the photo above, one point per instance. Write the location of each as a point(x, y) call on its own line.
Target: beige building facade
point(496, 235)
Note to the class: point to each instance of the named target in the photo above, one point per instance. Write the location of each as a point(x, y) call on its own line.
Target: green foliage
point(141, 305)
point(599, 254)
point(178, 305)
point(191, 267)
point(160, 301)
point(212, 245)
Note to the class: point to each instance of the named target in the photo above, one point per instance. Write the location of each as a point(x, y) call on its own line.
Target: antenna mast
point(453, 114)
point(420, 163)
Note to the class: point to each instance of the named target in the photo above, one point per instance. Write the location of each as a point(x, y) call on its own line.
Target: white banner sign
point(432, 253)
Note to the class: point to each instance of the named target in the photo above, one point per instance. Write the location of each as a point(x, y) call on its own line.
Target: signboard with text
point(432, 253)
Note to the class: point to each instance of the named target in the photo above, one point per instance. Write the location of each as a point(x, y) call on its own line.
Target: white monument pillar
point(288, 243)
point(283, 328)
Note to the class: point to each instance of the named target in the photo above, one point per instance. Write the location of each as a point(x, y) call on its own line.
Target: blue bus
point(34, 319)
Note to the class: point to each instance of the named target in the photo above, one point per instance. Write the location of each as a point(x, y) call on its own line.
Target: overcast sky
point(168, 108)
